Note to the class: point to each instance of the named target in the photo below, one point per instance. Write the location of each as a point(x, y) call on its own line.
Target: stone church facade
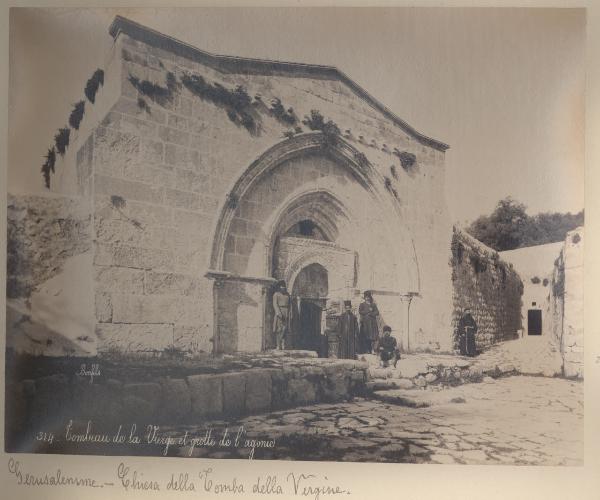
point(208, 178)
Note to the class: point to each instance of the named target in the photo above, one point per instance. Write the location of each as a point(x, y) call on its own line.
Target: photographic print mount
point(239, 257)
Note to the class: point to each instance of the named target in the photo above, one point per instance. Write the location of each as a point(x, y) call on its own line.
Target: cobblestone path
point(518, 420)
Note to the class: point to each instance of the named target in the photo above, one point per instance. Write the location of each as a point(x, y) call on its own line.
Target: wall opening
point(534, 322)
point(309, 298)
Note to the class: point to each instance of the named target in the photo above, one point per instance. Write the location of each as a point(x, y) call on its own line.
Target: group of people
point(363, 337)
point(355, 337)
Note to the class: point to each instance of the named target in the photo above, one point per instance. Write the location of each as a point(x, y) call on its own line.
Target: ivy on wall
point(160, 94)
point(329, 128)
point(48, 165)
point(93, 84)
point(237, 103)
point(287, 117)
point(407, 160)
point(77, 114)
point(63, 137)
point(61, 140)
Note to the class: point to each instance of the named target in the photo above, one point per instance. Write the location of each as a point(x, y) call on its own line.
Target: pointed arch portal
point(303, 205)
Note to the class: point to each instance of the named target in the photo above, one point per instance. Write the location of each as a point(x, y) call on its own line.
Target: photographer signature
point(93, 371)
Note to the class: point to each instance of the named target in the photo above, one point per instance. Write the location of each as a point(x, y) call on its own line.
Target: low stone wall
point(420, 371)
point(38, 404)
point(487, 285)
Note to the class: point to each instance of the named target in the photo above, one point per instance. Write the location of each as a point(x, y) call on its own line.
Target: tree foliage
point(509, 226)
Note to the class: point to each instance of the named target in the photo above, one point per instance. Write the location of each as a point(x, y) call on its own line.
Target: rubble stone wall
point(489, 287)
point(42, 232)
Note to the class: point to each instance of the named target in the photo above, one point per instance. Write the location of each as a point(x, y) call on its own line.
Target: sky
point(503, 87)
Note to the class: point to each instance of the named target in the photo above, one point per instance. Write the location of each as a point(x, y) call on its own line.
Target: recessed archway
point(302, 180)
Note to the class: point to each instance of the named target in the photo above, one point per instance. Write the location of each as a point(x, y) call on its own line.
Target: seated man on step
point(388, 349)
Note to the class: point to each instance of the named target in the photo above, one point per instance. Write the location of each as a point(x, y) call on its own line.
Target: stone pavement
point(531, 355)
point(519, 420)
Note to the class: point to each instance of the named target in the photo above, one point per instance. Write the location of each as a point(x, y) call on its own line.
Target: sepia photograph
point(309, 234)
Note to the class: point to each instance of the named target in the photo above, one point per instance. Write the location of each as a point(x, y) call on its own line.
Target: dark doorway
point(309, 328)
point(534, 322)
point(309, 292)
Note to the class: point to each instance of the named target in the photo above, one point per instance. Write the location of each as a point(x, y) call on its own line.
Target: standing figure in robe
point(348, 332)
point(281, 321)
point(369, 330)
point(467, 328)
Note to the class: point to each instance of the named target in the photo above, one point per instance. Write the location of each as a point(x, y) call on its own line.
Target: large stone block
point(174, 136)
point(52, 397)
point(92, 400)
point(302, 391)
point(191, 180)
point(103, 306)
point(129, 190)
point(114, 149)
point(130, 107)
point(145, 309)
point(136, 126)
point(158, 175)
point(207, 394)
point(182, 157)
point(172, 284)
point(234, 390)
point(337, 387)
point(141, 401)
point(119, 279)
point(183, 199)
point(141, 258)
point(258, 390)
point(142, 213)
point(151, 152)
point(133, 337)
point(193, 338)
point(177, 400)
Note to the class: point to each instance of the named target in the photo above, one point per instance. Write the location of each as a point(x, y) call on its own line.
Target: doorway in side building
point(534, 321)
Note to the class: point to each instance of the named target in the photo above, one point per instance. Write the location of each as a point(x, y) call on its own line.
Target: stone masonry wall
point(163, 161)
point(566, 303)
point(489, 287)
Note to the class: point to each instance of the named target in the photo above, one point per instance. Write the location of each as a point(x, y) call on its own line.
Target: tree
point(509, 227)
point(504, 229)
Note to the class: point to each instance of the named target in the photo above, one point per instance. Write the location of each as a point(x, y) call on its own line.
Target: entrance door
point(309, 329)
point(534, 322)
point(310, 290)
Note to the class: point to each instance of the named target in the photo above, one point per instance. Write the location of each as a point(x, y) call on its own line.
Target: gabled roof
point(232, 64)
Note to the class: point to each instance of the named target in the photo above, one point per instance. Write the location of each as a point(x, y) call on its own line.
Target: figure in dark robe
point(467, 328)
point(348, 332)
point(281, 321)
point(388, 348)
point(369, 331)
